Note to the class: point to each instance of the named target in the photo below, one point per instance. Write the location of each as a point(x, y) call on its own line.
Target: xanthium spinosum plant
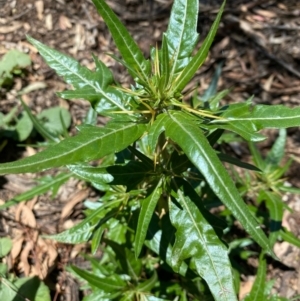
point(157, 152)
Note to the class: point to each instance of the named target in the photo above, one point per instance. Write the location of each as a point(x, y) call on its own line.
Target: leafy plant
point(11, 64)
point(160, 171)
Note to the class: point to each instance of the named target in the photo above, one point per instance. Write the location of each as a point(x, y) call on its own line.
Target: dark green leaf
point(189, 71)
point(258, 289)
point(107, 284)
point(147, 209)
point(196, 239)
point(182, 130)
point(91, 143)
point(131, 53)
point(181, 35)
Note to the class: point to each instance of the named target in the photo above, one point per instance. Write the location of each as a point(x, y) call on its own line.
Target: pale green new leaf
point(147, 209)
point(196, 239)
point(128, 48)
point(276, 153)
point(191, 139)
point(181, 35)
point(75, 74)
point(189, 71)
point(91, 143)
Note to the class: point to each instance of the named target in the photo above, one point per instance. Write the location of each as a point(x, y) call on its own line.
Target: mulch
point(258, 43)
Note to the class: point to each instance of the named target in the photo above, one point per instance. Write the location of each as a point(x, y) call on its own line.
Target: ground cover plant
point(159, 170)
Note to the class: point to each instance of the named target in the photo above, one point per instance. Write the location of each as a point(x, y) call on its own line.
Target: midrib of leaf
point(82, 78)
point(69, 151)
point(188, 72)
point(186, 207)
point(231, 193)
point(176, 54)
point(120, 35)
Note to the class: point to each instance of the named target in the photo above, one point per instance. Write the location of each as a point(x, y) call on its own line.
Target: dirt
point(259, 45)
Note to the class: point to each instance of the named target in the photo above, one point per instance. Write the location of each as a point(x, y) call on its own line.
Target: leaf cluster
point(160, 171)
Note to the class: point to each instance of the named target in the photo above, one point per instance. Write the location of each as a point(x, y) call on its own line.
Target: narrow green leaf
point(147, 209)
point(275, 207)
point(37, 190)
point(289, 237)
point(256, 156)
point(189, 71)
point(91, 143)
point(226, 158)
point(83, 231)
point(190, 138)
point(258, 289)
point(196, 239)
point(181, 35)
point(276, 153)
point(148, 284)
point(75, 74)
point(91, 173)
point(107, 284)
point(129, 50)
point(264, 116)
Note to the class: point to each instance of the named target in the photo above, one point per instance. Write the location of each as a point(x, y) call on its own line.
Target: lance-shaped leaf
point(181, 35)
point(258, 289)
point(147, 209)
point(263, 116)
point(107, 284)
point(129, 50)
point(51, 184)
point(195, 238)
point(186, 133)
point(91, 143)
point(87, 84)
point(189, 71)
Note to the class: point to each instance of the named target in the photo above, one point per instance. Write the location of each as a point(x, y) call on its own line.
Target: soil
point(258, 43)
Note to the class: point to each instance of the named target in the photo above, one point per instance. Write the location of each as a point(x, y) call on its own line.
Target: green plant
point(11, 64)
point(159, 170)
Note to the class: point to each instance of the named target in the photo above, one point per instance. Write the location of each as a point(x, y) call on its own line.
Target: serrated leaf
point(107, 284)
point(37, 190)
point(196, 239)
point(129, 50)
point(181, 35)
point(75, 74)
point(189, 71)
point(91, 143)
point(147, 209)
point(276, 153)
point(191, 139)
